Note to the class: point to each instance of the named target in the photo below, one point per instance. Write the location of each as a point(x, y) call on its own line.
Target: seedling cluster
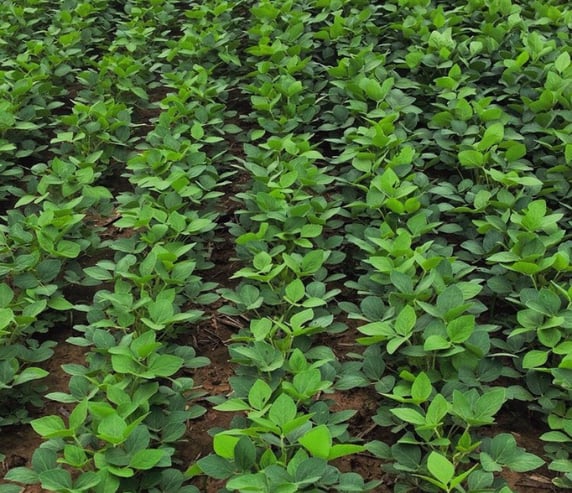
point(375, 196)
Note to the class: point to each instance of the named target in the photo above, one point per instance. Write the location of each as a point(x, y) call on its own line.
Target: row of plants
point(126, 406)
point(284, 435)
point(400, 175)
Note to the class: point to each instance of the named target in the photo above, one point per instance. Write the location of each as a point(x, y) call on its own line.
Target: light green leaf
point(295, 291)
point(283, 410)
point(494, 134)
point(197, 131)
point(460, 329)
point(50, 427)
point(421, 388)
point(440, 467)
point(405, 321)
point(409, 415)
point(112, 429)
point(562, 62)
point(524, 462)
point(535, 358)
point(259, 394)
point(471, 159)
point(233, 405)
point(165, 365)
point(29, 374)
point(224, 444)
point(490, 402)
point(318, 442)
point(342, 449)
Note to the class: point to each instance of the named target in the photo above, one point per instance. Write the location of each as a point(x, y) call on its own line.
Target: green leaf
point(535, 358)
point(75, 456)
point(515, 152)
point(87, 481)
point(440, 468)
point(562, 62)
point(197, 131)
point(555, 436)
point(295, 291)
point(307, 383)
point(490, 402)
point(78, 416)
point(283, 410)
point(421, 388)
point(44, 459)
point(224, 444)
point(259, 394)
point(98, 273)
point(60, 303)
point(262, 261)
point(460, 329)
point(216, 467)
point(245, 454)
point(22, 475)
point(527, 268)
point(112, 429)
point(437, 410)
point(471, 158)
point(311, 230)
point(503, 257)
point(436, 343)
point(125, 364)
point(450, 299)
point(6, 296)
point(373, 89)
point(145, 344)
point(68, 249)
point(299, 319)
point(6, 317)
point(494, 134)
point(342, 449)
point(409, 415)
point(405, 321)
point(9, 488)
point(165, 365)
point(249, 482)
point(310, 470)
point(233, 405)
point(318, 441)
point(146, 459)
point(50, 427)
point(56, 480)
point(568, 153)
point(108, 483)
point(250, 296)
point(312, 261)
point(561, 465)
point(502, 451)
point(29, 374)
point(524, 462)
point(261, 328)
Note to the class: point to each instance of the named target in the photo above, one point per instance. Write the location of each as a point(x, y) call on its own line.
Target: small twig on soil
point(536, 481)
point(363, 433)
point(226, 320)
